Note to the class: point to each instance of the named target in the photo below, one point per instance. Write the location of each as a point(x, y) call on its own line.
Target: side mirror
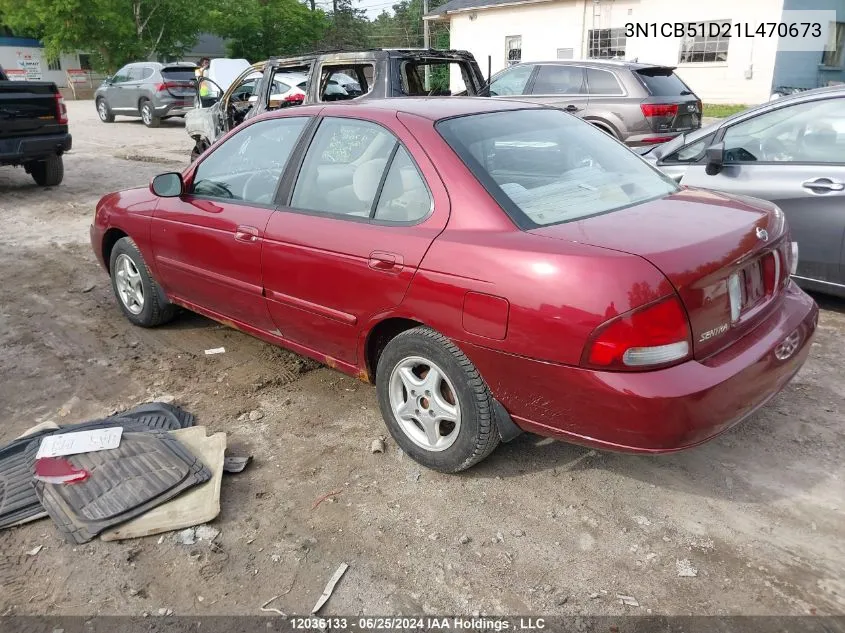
point(715, 158)
point(107, 79)
point(167, 185)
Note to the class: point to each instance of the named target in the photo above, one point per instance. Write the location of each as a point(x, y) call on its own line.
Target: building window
point(85, 61)
point(607, 43)
point(708, 45)
point(54, 64)
point(565, 53)
point(513, 49)
point(832, 55)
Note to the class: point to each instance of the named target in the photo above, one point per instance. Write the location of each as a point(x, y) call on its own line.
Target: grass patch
point(722, 110)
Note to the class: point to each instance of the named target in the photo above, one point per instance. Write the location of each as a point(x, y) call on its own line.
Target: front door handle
point(385, 262)
point(572, 108)
point(246, 233)
point(823, 184)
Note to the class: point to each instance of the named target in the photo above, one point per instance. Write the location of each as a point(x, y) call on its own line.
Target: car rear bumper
point(14, 151)
point(659, 411)
point(175, 108)
point(651, 138)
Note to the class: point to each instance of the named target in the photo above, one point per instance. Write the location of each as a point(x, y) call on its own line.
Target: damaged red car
point(491, 266)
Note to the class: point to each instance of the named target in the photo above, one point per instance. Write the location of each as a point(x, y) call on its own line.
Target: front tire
point(138, 295)
point(199, 147)
point(104, 112)
point(48, 172)
point(148, 115)
point(434, 402)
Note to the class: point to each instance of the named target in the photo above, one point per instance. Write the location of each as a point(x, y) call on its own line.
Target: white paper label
point(80, 442)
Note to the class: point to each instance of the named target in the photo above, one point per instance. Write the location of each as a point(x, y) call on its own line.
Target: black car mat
point(18, 501)
point(146, 470)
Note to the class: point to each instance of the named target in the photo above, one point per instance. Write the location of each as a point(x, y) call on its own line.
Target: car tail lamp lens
point(659, 109)
point(61, 110)
point(169, 85)
point(656, 140)
point(294, 98)
point(652, 336)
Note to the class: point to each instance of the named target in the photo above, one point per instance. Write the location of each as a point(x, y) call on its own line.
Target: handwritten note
point(80, 442)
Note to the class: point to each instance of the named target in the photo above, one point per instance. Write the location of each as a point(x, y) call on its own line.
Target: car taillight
point(659, 109)
point(167, 85)
point(294, 98)
point(61, 110)
point(655, 335)
point(655, 140)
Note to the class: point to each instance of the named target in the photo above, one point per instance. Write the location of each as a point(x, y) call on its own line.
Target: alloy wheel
point(129, 284)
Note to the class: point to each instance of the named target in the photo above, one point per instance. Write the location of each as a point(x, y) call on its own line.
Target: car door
point(132, 88)
point(563, 86)
point(207, 243)
point(795, 157)
point(355, 224)
point(116, 94)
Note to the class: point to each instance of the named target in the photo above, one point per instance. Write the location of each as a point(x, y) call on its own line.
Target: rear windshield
point(545, 167)
point(662, 82)
point(179, 73)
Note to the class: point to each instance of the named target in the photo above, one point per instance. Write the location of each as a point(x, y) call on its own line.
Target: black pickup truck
point(33, 128)
point(327, 77)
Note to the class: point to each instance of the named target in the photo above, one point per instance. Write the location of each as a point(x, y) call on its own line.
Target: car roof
point(599, 63)
point(432, 108)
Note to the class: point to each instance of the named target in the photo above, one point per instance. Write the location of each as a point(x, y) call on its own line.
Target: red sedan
point(491, 266)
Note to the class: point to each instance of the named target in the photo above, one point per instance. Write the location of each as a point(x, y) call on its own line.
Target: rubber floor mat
point(146, 470)
point(18, 501)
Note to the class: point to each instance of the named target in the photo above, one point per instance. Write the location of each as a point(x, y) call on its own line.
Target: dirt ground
point(550, 528)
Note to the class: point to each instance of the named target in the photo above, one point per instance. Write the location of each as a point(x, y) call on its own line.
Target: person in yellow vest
point(204, 86)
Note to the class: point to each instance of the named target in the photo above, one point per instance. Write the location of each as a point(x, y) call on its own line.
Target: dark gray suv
point(149, 90)
point(639, 104)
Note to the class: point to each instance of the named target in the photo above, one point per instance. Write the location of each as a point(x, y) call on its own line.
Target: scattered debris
point(34, 551)
point(324, 497)
point(165, 612)
point(235, 464)
point(464, 539)
point(58, 470)
point(518, 533)
point(215, 350)
point(561, 600)
point(267, 609)
point(207, 532)
point(433, 536)
point(187, 537)
point(594, 595)
point(641, 520)
point(377, 445)
point(166, 399)
point(160, 539)
point(414, 475)
point(650, 556)
point(255, 415)
point(327, 592)
point(88, 288)
point(685, 568)
point(629, 600)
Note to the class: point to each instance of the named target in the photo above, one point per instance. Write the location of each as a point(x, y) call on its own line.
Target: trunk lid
point(699, 240)
point(179, 81)
point(671, 105)
point(28, 108)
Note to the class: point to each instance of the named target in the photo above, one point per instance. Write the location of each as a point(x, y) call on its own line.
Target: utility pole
point(426, 44)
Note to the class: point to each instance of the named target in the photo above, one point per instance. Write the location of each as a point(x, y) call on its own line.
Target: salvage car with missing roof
point(524, 271)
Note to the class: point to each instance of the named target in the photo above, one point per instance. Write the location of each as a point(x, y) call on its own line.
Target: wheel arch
point(110, 238)
point(379, 336)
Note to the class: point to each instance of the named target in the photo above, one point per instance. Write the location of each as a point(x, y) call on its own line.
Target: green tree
point(115, 31)
point(259, 29)
point(348, 27)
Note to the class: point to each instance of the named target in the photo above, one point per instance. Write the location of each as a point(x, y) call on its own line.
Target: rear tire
point(442, 420)
point(148, 115)
point(48, 172)
point(104, 112)
point(199, 147)
point(137, 293)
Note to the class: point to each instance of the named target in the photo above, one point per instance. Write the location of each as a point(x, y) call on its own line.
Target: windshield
point(545, 167)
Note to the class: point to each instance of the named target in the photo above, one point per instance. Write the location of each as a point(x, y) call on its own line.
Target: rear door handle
point(386, 262)
point(823, 184)
point(246, 233)
point(572, 108)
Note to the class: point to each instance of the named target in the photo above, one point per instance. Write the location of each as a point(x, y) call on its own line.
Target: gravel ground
point(751, 523)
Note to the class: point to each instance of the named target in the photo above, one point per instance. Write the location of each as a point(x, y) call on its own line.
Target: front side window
point(511, 82)
point(357, 168)
point(607, 44)
point(121, 75)
point(557, 79)
point(247, 166)
point(545, 167)
point(709, 44)
point(812, 132)
point(692, 153)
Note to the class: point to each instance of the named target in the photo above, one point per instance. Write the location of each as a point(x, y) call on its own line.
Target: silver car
point(790, 151)
point(149, 90)
point(639, 104)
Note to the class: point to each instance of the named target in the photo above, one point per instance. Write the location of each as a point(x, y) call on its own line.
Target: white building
point(720, 70)
point(25, 54)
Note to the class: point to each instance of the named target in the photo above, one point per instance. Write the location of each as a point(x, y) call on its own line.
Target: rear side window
point(602, 82)
point(691, 153)
point(559, 80)
point(662, 82)
point(178, 73)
